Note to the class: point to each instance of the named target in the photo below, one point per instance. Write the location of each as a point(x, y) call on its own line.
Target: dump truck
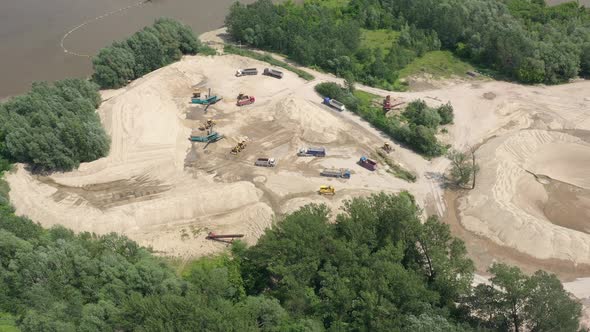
point(273, 73)
point(265, 162)
point(367, 163)
point(245, 100)
point(327, 190)
point(206, 101)
point(335, 104)
point(246, 71)
point(343, 173)
point(312, 152)
point(213, 137)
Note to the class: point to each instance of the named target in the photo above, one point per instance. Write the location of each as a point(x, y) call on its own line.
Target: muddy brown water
point(31, 31)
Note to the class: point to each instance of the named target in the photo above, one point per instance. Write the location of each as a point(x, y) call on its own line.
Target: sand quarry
point(158, 188)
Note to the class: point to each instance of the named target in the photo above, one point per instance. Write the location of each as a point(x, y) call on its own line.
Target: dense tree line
point(378, 268)
point(54, 126)
point(145, 51)
point(416, 128)
point(315, 35)
point(525, 40)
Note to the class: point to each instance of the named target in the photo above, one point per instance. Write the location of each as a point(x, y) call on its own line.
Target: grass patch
point(366, 98)
point(206, 50)
point(395, 169)
point(382, 38)
point(8, 323)
point(440, 64)
point(269, 59)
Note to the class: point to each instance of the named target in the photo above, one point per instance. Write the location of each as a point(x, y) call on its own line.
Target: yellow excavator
point(387, 147)
point(327, 190)
point(239, 147)
point(206, 125)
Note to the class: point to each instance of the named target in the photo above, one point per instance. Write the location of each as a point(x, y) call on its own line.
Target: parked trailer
point(212, 236)
point(265, 162)
point(273, 72)
point(312, 152)
point(343, 173)
point(246, 71)
point(367, 163)
point(335, 104)
point(225, 238)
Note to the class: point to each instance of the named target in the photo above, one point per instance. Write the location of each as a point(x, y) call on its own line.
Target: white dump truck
point(246, 71)
point(335, 104)
point(265, 162)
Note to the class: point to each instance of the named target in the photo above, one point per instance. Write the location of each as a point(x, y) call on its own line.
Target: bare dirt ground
point(530, 205)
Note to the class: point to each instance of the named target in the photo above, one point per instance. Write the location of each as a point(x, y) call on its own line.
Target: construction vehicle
point(265, 162)
point(196, 93)
point(387, 147)
point(312, 152)
point(201, 99)
point(206, 101)
point(327, 190)
point(334, 103)
point(387, 104)
point(227, 238)
point(245, 100)
point(207, 125)
point(273, 73)
point(239, 147)
point(343, 173)
point(212, 137)
point(367, 163)
point(247, 71)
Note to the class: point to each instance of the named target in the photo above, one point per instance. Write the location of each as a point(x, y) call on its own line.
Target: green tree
point(516, 301)
point(463, 167)
point(446, 113)
point(113, 67)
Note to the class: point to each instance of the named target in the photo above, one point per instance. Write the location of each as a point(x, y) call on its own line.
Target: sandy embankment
point(165, 192)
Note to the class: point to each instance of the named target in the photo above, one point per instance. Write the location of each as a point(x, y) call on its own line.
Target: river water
point(31, 31)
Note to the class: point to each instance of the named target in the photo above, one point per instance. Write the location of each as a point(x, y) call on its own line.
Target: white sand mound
point(318, 126)
point(507, 204)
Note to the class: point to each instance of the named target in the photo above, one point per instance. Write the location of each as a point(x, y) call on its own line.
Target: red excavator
point(387, 106)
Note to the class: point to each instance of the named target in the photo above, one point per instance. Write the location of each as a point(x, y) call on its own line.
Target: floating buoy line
point(67, 34)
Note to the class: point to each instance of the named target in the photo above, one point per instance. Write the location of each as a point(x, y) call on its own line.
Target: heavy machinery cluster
point(211, 136)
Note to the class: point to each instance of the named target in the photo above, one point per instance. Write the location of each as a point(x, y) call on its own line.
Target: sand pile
point(509, 204)
point(315, 126)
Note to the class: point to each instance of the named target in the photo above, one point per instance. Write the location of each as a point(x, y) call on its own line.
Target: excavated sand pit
point(533, 194)
point(166, 192)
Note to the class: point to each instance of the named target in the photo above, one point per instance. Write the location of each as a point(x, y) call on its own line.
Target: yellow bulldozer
point(327, 190)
